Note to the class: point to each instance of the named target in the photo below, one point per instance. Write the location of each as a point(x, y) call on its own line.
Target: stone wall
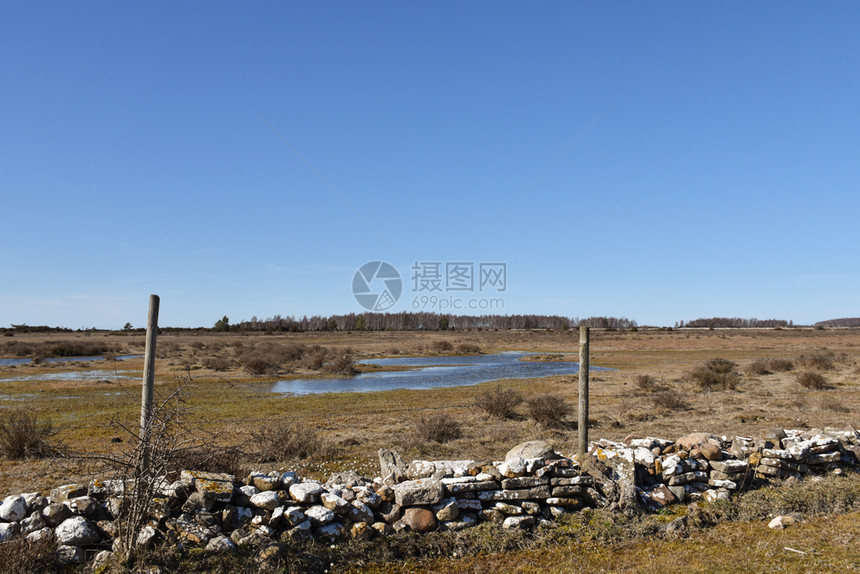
point(534, 485)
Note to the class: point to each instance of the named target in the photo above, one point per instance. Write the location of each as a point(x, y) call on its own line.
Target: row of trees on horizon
point(427, 321)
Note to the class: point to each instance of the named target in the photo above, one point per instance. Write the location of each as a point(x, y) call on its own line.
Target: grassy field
point(651, 392)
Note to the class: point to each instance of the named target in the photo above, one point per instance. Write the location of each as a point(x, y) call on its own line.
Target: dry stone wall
point(533, 486)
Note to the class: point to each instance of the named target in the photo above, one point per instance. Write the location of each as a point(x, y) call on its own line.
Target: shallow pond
point(71, 376)
point(27, 361)
point(433, 372)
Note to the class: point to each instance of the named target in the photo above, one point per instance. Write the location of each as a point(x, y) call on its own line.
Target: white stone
point(715, 495)
point(360, 512)
point(306, 492)
point(288, 479)
point(76, 531)
point(518, 522)
point(330, 532)
point(334, 502)
point(268, 500)
point(13, 508)
point(249, 490)
point(67, 555)
point(781, 522)
point(320, 514)
point(39, 535)
point(513, 468)
point(643, 455)
point(8, 530)
point(220, 545)
point(295, 515)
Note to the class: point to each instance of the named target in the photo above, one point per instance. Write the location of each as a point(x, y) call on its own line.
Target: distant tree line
point(422, 321)
point(847, 322)
point(24, 328)
point(735, 323)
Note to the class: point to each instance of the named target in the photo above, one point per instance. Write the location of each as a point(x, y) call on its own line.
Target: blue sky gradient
point(198, 150)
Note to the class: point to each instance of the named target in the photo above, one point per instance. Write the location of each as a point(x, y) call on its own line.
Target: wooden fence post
point(148, 381)
point(583, 391)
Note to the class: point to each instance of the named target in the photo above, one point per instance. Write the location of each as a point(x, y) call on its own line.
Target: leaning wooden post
point(583, 391)
point(148, 382)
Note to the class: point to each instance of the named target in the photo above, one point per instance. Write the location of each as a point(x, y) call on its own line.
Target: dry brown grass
point(231, 402)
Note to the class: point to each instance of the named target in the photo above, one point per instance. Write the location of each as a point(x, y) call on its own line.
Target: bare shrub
point(314, 360)
point(217, 363)
point(342, 365)
point(646, 383)
point(811, 380)
point(780, 365)
point(499, 402)
point(436, 427)
point(23, 435)
point(548, 410)
point(262, 360)
point(21, 556)
point(206, 458)
point(442, 346)
point(279, 442)
point(669, 401)
point(819, 363)
point(759, 367)
point(716, 374)
point(468, 349)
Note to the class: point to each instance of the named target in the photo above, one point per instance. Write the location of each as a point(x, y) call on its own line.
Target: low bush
point(780, 365)
point(811, 380)
point(667, 400)
point(499, 402)
point(646, 383)
point(342, 365)
point(207, 458)
point(436, 427)
point(548, 410)
point(716, 375)
point(217, 363)
point(759, 367)
point(23, 435)
point(819, 363)
point(314, 360)
point(468, 349)
point(281, 441)
point(442, 346)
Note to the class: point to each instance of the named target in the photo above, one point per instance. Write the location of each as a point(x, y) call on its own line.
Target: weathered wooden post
point(583, 390)
point(148, 381)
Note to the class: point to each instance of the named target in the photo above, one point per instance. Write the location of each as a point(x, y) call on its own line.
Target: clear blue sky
point(197, 150)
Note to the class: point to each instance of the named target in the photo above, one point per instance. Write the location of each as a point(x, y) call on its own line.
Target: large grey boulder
point(8, 530)
point(306, 492)
point(220, 545)
point(532, 449)
point(76, 531)
point(13, 508)
point(71, 555)
point(320, 515)
point(424, 491)
point(392, 466)
point(267, 500)
point(68, 491)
